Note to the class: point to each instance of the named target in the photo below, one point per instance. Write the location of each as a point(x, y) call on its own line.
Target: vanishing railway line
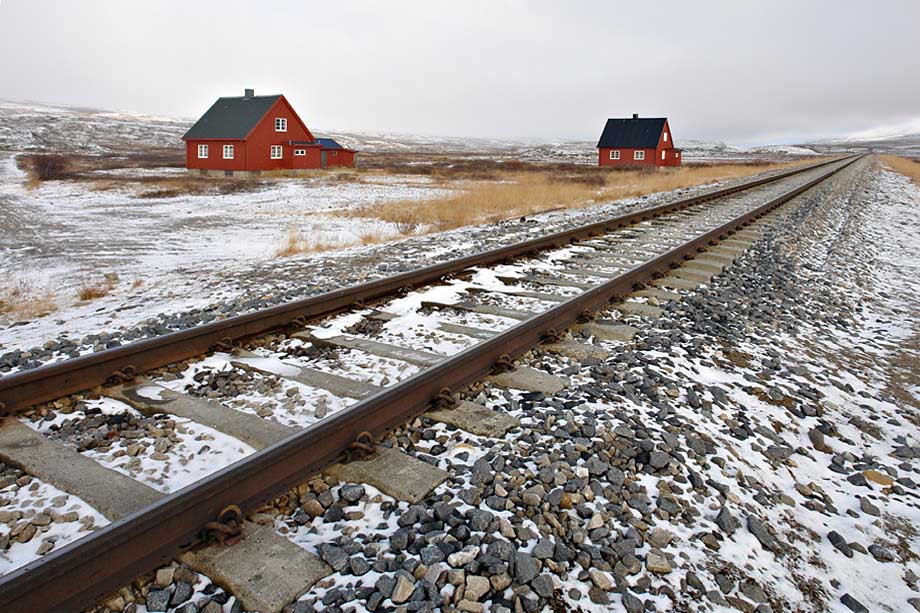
point(492, 306)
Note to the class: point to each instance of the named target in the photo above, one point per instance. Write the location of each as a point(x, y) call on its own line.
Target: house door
point(322, 159)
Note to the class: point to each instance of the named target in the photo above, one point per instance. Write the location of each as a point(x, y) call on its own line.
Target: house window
point(228, 152)
point(276, 152)
point(280, 124)
point(638, 155)
point(335, 153)
point(202, 152)
point(677, 154)
point(665, 137)
point(300, 152)
point(662, 154)
point(614, 154)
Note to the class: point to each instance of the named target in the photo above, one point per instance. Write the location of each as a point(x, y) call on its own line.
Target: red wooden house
point(248, 134)
point(645, 141)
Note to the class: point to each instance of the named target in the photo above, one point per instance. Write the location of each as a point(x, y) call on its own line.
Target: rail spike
point(552, 335)
point(123, 375)
point(225, 344)
point(363, 447)
point(227, 530)
point(503, 364)
point(445, 399)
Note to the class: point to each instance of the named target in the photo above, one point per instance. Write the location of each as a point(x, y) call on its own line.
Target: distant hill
point(897, 144)
point(27, 126)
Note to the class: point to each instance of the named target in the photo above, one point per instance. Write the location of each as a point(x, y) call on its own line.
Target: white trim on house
point(300, 152)
point(280, 124)
point(614, 154)
point(202, 152)
point(638, 155)
point(228, 152)
point(277, 152)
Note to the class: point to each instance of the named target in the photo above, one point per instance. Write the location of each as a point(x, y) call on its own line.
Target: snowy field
point(61, 236)
point(158, 257)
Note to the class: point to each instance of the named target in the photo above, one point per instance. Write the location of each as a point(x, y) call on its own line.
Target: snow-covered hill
point(898, 144)
point(28, 126)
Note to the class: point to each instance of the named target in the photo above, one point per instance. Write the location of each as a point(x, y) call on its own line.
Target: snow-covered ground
point(754, 449)
point(166, 252)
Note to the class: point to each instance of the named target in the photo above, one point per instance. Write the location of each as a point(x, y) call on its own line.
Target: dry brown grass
point(82, 167)
point(518, 193)
point(171, 186)
point(296, 243)
point(372, 237)
point(23, 301)
point(90, 290)
point(908, 167)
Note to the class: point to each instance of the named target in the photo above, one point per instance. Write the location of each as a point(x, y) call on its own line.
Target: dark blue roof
point(329, 143)
point(635, 133)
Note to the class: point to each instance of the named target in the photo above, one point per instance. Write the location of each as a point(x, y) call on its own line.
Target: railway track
point(446, 326)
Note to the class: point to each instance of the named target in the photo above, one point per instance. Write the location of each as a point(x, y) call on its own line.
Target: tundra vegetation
point(487, 192)
point(909, 167)
point(21, 300)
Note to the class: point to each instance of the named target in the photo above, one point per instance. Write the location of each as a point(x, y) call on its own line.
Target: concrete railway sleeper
point(159, 527)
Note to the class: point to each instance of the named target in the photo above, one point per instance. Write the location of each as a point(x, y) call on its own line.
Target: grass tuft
point(91, 291)
point(296, 243)
point(24, 301)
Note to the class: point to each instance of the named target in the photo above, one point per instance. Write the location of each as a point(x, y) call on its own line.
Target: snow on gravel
point(37, 518)
point(166, 454)
point(753, 449)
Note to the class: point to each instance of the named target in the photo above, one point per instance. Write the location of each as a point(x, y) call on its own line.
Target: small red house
point(248, 134)
point(638, 141)
point(335, 154)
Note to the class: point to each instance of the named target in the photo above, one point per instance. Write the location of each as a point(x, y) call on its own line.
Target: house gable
point(662, 143)
point(282, 108)
point(231, 117)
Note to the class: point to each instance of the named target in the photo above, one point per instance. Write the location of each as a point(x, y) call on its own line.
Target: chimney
point(249, 93)
point(635, 115)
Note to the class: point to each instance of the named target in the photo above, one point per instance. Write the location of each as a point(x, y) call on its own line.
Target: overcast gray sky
point(735, 70)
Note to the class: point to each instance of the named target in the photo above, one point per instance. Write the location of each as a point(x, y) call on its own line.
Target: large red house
point(645, 141)
point(249, 134)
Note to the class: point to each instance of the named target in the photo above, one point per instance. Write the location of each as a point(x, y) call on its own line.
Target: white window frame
point(666, 136)
point(277, 152)
point(300, 152)
point(202, 149)
point(614, 154)
point(228, 152)
point(638, 155)
point(677, 154)
point(280, 124)
point(663, 152)
point(335, 152)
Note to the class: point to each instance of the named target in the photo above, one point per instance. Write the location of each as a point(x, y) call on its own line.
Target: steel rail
point(25, 389)
point(81, 573)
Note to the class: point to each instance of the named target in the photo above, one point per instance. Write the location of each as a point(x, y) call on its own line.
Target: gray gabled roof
point(231, 117)
point(632, 133)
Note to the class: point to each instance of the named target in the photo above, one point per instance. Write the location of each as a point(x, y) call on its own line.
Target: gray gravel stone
point(158, 600)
